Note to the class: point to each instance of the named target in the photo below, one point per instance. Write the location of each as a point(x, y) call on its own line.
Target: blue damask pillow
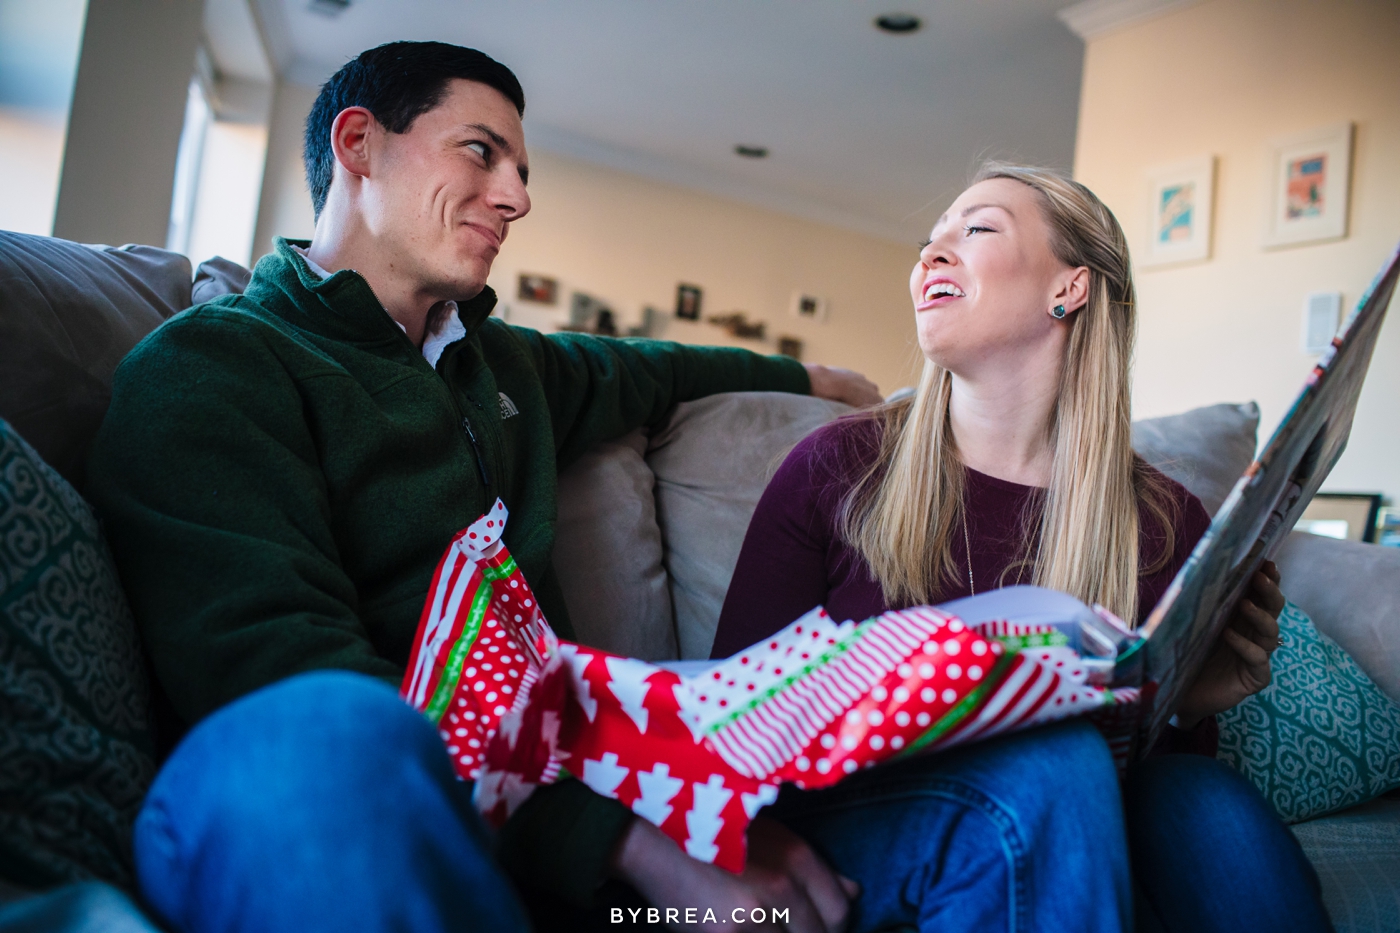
point(1322, 736)
point(76, 750)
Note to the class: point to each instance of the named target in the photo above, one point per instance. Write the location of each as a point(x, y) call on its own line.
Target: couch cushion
point(712, 461)
point(1352, 592)
point(68, 314)
point(715, 457)
point(607, 553)
point(75, 736)
point(1204, 449)
point(1357, 857)
point(1322, 736)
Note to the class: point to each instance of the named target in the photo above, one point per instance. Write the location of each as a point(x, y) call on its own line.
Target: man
point(280, 472)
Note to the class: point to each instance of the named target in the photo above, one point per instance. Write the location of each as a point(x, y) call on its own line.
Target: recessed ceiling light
point(329, 7)
point(751, 152)
point(898, 23)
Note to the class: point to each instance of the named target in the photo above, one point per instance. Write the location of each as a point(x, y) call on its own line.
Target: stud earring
point(1058, 312)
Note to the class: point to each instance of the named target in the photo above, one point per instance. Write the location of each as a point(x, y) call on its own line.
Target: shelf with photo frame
point(1347, 516)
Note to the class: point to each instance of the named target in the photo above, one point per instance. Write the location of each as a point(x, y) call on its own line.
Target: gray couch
point(650, 525)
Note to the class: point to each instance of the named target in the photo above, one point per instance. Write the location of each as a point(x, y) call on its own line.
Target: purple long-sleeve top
point(794, 557)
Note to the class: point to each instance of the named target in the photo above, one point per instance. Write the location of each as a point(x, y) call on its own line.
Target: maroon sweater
point(793, 557)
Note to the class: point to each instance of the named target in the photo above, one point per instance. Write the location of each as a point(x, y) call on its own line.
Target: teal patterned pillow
point(1322, 736)
point(75, 735)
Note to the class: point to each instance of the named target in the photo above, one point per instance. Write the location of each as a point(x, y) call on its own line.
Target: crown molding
point(1093, 18)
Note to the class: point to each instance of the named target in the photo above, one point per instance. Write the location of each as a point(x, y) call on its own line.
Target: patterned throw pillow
point(75, 735)
point(1322, 736)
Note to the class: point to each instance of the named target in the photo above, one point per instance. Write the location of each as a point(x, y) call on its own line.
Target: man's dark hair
point(397, 82)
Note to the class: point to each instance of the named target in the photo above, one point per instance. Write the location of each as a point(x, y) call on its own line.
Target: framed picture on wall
point(1311, 187)
point(539, 288)
point(688, 302)
point(807, 307)
point(1180, 208)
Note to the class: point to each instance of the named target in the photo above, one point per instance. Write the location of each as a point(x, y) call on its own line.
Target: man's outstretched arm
point(600, 388)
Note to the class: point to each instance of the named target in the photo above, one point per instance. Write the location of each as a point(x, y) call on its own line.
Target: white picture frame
point(1310, 193)
point(1180, 212)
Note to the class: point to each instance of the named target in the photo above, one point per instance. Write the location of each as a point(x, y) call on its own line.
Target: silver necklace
point(967, 544)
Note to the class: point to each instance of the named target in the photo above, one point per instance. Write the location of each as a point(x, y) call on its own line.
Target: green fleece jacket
point(279, 473)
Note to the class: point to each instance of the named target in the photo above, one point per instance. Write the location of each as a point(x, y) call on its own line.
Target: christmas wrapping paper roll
point(698, 755)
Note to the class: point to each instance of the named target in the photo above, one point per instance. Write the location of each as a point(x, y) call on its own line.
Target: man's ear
point(350, 135)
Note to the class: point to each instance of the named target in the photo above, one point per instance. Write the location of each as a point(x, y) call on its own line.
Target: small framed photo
point(688, 302)
point(1311, 189)
point(790, 346)
point(538, 288)
point(1181, 200)
point(807, 307)
point(1344, 515)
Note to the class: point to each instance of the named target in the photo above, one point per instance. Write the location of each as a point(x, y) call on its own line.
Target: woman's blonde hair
point(906, 510)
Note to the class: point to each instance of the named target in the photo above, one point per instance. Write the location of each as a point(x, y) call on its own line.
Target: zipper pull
point(476, 449)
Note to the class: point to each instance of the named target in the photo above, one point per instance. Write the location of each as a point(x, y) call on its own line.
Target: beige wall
point(1225, 77)
point(629, 241)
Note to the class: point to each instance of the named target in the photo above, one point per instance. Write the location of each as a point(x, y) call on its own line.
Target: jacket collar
point(342, 307)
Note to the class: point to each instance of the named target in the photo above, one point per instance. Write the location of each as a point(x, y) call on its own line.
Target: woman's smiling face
point(987, 278)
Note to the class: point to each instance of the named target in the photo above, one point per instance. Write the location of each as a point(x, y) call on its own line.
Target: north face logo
point(508, 409)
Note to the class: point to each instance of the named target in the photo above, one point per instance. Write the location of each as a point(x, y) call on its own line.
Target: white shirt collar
point(449, 331)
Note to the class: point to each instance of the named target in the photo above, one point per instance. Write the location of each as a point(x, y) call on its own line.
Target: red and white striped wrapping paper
point(699, 755)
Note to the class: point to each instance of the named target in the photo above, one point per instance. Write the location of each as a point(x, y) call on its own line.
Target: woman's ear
point(1072, 294)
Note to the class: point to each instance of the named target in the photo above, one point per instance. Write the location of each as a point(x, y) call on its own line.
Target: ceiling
point(866, 130)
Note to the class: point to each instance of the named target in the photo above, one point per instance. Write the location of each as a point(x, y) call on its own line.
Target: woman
point(1012, 462)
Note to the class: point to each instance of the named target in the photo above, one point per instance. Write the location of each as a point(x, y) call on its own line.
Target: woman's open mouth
point(939, 291)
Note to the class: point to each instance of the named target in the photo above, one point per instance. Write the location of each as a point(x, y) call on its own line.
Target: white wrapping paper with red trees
point(698, 755)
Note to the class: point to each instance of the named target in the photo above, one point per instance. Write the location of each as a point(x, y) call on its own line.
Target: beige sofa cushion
point(607, 553)
point(1204, 449)
point(712, 462)
point(1352, 592)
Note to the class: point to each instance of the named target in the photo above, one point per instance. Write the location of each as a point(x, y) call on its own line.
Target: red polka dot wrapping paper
point(699, 755)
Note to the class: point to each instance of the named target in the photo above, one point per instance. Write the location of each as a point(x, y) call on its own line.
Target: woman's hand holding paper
point(1239, 665)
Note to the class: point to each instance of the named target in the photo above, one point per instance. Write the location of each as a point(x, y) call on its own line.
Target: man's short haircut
point(397, 82)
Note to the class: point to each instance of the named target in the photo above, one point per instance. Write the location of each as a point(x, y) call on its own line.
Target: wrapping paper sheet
point(699, 754)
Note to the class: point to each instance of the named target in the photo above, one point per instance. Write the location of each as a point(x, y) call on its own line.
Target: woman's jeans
point(326, 803)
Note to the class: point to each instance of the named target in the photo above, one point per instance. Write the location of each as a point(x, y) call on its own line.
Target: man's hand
point(1239, 665)
point(782, 872)
point(842, 385)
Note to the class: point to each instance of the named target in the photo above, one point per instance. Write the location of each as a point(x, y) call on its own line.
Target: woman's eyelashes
point(970, 229)
point(923, 244)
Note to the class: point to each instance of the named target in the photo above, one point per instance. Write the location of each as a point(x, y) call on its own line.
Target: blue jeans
point(1020, 833)
point(1210, 856)
point(323, 803)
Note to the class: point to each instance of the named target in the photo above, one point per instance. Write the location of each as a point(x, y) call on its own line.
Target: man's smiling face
point(446, 191)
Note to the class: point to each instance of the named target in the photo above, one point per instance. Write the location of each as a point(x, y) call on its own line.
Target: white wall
point(124, 125)
point(225, 205)
point(39, 41)
point(284, 204)
point(1225, 77)
point(31, 154)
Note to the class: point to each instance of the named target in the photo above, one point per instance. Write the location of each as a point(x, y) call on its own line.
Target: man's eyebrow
point(501, 143)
